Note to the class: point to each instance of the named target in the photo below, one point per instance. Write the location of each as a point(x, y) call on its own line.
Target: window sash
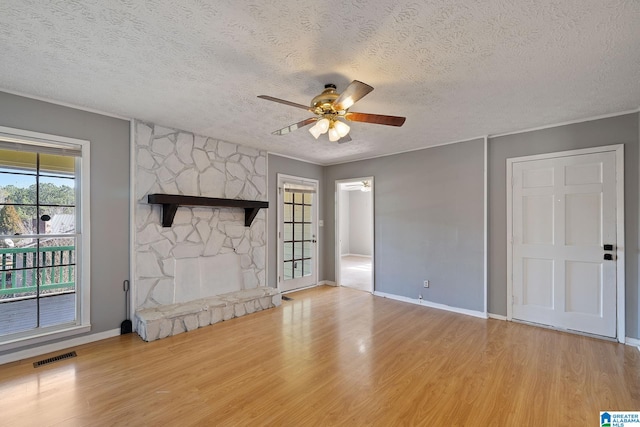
point(37, 145)
point(22, 140)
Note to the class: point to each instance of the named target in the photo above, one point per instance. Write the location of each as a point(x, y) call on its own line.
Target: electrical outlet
point(426, 283)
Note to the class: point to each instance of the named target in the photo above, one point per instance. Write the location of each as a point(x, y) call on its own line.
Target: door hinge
point(279, 190)
point(279, 279)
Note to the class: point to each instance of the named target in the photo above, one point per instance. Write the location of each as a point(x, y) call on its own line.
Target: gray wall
point(428, 208)
point(109, 194)
point(277, 164)
point(360, 238)
point(428, 222)
point(615, 130)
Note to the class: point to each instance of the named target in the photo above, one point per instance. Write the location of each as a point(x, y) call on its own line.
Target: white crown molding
point(490, 136)
point(407, 151)
point(64, 104)
point(295, 158)
point(570, 122)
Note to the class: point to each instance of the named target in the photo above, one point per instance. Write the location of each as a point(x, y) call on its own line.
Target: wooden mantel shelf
point(170, 203)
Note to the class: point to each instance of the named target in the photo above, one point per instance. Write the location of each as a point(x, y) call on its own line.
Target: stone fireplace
point(207, 251)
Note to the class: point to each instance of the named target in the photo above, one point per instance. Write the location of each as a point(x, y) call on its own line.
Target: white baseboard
point(49, 348)
point(628, 341)
point(327, 282)
point(632, 341)
point(320, 283)
point(430, 304)
point(497, 316)
point(358, 255)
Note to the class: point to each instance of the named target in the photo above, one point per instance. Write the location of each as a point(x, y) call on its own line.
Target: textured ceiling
point(455, 69)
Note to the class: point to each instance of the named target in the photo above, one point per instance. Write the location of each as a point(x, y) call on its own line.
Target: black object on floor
point(286, 298)
point(126, 327)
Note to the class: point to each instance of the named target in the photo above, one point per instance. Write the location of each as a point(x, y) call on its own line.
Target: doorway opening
point(354, 233)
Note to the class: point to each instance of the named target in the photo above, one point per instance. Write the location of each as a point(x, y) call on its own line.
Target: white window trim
point(83, 321)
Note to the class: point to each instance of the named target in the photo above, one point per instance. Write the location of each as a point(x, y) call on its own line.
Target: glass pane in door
point(298, 237)
point(288, 270)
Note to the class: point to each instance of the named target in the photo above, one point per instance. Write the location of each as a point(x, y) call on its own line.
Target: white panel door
point(564, 212)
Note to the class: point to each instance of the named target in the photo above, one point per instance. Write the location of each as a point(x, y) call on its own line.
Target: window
point(44, 287)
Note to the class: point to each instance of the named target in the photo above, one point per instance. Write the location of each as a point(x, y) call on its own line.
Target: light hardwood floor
point(331, 356)
point(355, 272)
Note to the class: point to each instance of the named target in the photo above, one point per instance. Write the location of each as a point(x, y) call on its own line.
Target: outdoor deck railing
point(25, 270)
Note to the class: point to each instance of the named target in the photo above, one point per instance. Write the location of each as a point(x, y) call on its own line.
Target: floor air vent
point(54, 359)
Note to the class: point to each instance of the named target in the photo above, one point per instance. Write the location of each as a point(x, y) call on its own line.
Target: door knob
point(608, 257)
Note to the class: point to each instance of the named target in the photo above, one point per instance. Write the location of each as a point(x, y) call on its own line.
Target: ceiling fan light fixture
point(321, 126)
point(324, 124)
point(341, 127)
point(315, 131)
point(333, 134)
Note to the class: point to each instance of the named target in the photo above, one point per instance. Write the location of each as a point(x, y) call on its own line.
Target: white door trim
point(485, 224)
point(282, 178)
point(337, 227)
point(620, 246)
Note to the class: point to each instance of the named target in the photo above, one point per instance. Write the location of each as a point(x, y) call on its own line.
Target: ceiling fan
point(364, 186)
point(331, 106)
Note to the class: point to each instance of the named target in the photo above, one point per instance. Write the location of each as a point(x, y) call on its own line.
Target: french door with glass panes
point(297, 231)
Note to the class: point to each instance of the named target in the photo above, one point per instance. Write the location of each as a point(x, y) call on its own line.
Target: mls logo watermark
point(620, 419)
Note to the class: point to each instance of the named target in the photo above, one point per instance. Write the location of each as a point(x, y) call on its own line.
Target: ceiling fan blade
point(344, 139)
point(355, 91)
point(282, 101)
point(375, 118)
point(295, 126)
